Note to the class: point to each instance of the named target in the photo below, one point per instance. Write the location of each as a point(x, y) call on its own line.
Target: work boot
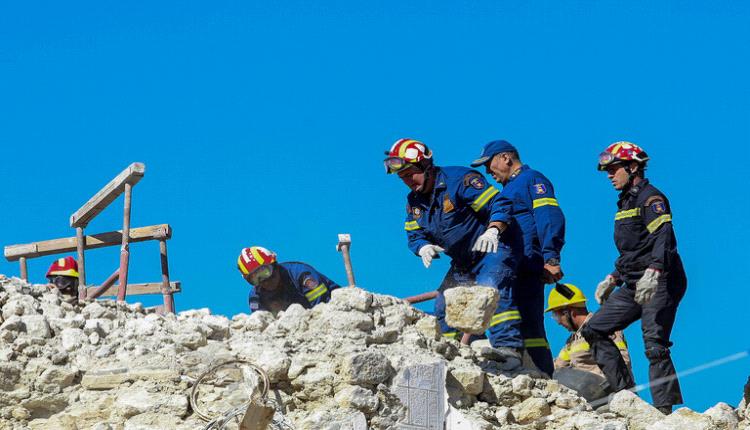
point(508, 358)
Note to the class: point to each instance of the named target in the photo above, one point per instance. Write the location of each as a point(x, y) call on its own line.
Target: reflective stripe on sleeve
point(630, 213)
point(317, 292)
point(547, 201)
point(655, 224)
point(484, 198)
point(451, 335)
point(411, 225)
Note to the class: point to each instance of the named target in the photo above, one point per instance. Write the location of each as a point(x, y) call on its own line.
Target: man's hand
point(428, 252)
point(604, 289)
point(551, 273)
point(488, 241)
point(645, 288)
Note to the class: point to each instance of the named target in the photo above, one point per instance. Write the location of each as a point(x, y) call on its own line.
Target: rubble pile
point(361, 361)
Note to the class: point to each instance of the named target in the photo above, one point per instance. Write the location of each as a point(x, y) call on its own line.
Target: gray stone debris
point(361, 361)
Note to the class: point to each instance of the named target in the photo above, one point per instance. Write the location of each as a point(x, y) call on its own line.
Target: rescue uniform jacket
point(577, 352)
point(643, 233)
point(539, 216)
point(456, 213)
point(299, 283)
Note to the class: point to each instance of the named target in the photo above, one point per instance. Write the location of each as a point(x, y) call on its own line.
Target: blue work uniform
point(537, 213)
point(299, 283)
point(453, 216)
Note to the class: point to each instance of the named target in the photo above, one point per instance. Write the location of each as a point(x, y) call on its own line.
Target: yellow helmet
point(564, 295)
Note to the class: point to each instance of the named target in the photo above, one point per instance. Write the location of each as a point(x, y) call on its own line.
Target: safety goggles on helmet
point(65, 284)
point(605, 159)
point(260, 274)
point(395, 164)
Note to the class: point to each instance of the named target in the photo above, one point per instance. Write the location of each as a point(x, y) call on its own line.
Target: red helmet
point(252, 258)
point(67, 266)
point(621, 152)
point(406, 152)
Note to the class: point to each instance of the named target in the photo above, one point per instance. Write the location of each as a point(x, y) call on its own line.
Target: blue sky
point(265, 123)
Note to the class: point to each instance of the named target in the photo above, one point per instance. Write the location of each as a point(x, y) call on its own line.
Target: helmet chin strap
point(570, 319)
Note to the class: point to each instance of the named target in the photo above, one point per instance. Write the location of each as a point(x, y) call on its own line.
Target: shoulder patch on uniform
point(474, 180)
point(416, 212)
point(448, 204)
point(658, 207)
point(540, 188)
point(656, 204)
point(309, 283)
point(254, 305)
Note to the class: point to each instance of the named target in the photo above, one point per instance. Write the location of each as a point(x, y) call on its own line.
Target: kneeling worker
point(575, 366)
point(63, 275)
point(278, 285)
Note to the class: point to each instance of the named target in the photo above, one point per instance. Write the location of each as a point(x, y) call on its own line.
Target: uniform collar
point(634, 190)
point(518, 171)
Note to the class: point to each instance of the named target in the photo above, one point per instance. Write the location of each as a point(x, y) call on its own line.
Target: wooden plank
point(140, 289)
point(131, 175)
point(100, 240)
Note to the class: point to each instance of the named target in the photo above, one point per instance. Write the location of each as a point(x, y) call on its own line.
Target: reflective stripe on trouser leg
point(530, 298)
point(497, 270)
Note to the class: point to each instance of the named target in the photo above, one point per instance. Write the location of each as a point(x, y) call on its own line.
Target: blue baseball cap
point(491, 149)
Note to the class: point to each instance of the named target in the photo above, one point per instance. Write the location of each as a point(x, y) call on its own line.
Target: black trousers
point(657, 319)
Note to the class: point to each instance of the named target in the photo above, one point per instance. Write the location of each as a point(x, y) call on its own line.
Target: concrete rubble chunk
point(683, 419)
point(470, 309)
point(361, 361)
point(367, 368)
point(639, 413)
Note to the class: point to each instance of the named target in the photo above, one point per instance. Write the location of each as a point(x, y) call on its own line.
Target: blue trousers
point(496, 270)
point(530, 298)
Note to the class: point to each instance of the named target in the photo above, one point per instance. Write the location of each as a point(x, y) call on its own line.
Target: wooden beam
point(139, 289)
point(131, 175)
point(100, 240)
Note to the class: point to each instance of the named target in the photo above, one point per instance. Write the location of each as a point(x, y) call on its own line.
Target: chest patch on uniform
point(474, 180)
point(416, 212)
point(540, 188)
point(309, 283)
point(447, 204)
point(658, 207)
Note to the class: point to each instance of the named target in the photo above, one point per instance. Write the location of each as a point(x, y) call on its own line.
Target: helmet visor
point(66, 284)
point(394, 164)
point(260, 274)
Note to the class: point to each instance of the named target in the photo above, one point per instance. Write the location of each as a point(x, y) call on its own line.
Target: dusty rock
point(360, 361)
point(470, 309)
point(683, 419)
point(367, 368)
point(638, 413)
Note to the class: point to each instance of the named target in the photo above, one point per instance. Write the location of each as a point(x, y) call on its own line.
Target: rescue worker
point(276, 285)
point(649, 272)
point(454, 210)
point(536, 210)
point(63, 275)
point(575, 366)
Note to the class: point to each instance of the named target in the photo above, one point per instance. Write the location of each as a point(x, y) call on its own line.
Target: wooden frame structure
point(122, 183)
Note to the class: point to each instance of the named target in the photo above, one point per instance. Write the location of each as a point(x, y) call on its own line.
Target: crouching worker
point(575, 366)
point(63, 276)
point(275, 285)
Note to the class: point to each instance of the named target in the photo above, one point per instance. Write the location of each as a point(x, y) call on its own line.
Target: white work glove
point(645, 288)
point(605, 288)
point(428, 252)
point(487, 242)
